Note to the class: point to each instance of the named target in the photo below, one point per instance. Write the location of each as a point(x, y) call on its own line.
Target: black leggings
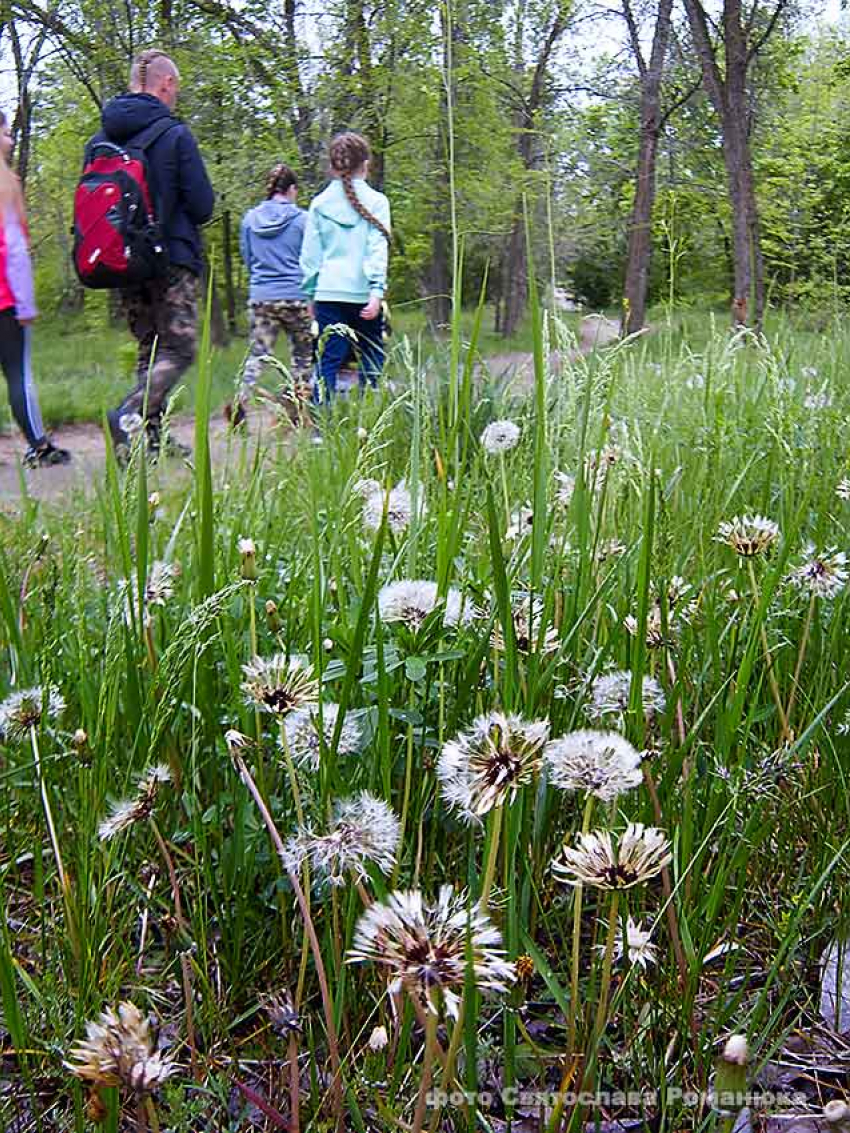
point(16, 364)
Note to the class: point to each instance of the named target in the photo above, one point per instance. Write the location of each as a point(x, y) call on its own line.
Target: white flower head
point(748, 535)
point(128, 812)
point(118, 1050)
point(131, 424)
point(522, 524)
point(363, 830)
point(842, 489)
point(28, 708)
point(821, 575)
point(638, 855)
point(603, 764)
point(610, 694)
point(304, 734)
point(399, 509)
point(279, 684)
point(246, 546)
point(500, 436)
point(565, 485)
point(411, 601)
point(426, 948)
point(637, 945)
point(485, 767)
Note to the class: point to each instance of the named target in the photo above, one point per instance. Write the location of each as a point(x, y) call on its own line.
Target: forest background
point(668, 152)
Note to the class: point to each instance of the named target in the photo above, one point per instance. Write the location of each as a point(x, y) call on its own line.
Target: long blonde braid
point(347, 153)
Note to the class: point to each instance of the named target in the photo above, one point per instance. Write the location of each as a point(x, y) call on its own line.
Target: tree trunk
point(515, 278)
point(227, 253)
point(636, 287)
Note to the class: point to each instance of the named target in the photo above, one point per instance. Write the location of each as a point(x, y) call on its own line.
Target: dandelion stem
point(801, 653)
point(299, 810)
point(258, 723)
point(672, 920)
point(294, 1084)
point(48, 813)
point(504, 476)
point(427, 1065)
point(576, 953)
point(408, 777)
point(153, 1119)
point(492, 858)
point(321, 974)
point(607, 961)
point(771, 675)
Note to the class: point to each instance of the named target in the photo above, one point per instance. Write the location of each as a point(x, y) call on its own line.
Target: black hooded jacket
point(179, 180)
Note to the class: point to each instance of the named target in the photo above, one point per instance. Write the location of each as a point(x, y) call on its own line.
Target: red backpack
point(118, 239)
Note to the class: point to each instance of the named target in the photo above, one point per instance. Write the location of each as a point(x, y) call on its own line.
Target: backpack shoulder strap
point(146, 138)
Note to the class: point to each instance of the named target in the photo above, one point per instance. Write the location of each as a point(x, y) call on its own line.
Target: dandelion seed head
point(118, 1050)
point(522, 523)
point(128, 812)
point(423, 946)
point(363, 830)
point(411, 601)
point(282, 1014)
point(159, 588)
point(640, 854)
point(610, 694)
point(842, 489)
point(565, 485)
point(637, 945)
point(748, 535)
point(500, 436)
point(304, 734)
point(527, 616)
point(379, 1039)
point(603, 764)
point(821, 575)
point(485, 767)
point(399, 509)
point(27, 708)
point(279, 684)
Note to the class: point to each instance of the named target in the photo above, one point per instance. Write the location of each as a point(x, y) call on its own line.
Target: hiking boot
point(172, 446)
point(235, 415)
point(44, 454)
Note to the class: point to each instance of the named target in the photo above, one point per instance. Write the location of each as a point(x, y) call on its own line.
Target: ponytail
point(348, 152)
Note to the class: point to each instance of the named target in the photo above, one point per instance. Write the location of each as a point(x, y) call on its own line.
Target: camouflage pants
point(163, 318)
point(267, 318)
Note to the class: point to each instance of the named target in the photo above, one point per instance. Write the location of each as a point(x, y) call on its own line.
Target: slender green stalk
point(578, 894)
point(768, 657)
point(801, 654)
point(605, 982)
point(427, 1067)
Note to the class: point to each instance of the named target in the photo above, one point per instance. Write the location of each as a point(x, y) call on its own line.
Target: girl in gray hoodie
point(270, 241)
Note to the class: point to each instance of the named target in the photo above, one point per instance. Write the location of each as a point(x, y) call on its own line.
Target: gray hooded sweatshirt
point(270, 241)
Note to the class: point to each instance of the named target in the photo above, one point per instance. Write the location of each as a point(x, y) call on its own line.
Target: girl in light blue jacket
point(344, 261)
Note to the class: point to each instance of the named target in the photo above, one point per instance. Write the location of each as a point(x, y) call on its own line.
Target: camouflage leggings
point(163, 318)
point(267, 319)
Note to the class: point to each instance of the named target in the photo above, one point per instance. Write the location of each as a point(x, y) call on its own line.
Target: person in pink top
point(17, 312)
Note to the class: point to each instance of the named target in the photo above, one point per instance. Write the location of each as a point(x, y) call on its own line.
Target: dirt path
point(86, 443)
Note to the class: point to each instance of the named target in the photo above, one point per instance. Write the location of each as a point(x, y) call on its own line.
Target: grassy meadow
point(583, 646)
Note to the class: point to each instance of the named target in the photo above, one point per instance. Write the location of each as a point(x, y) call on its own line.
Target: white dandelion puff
point(279, 684)
point(363, 830)
point(485, 767)
point(428, 948)
point(27, 708)
point(118, 1050)
point(500, 436)
point(610, 695)
point(748, 535)
point(603, 764)
point(304, 734)
point(637, 856)
point(821, 575)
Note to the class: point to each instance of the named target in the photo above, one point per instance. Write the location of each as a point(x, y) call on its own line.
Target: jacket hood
point(333, 203)
point(271, 217)
point(128, 114)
